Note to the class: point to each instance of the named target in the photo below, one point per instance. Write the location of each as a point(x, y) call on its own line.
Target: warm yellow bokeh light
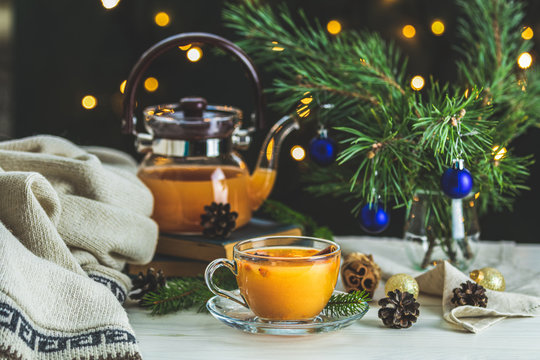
point(151, 84)
point(306, 100)
point(408, 31)
point(123, 86)
point(184, 47)
point(270, 150)
point(303, 111)
point(525, 60)
point(109, 4)
point(417, 83)
point(498, 152)
point(89, 102)
point(437, 27)
point(527, 33)
point(333, 27)
point(298, 153)
point(162, 19)
point(194, 54)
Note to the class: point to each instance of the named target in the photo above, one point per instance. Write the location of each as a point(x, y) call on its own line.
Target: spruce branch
point(347, 304)
point(394, 141)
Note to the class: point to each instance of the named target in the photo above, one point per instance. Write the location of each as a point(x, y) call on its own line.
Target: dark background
point(63, 50)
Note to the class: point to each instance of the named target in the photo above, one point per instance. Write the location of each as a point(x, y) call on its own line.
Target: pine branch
point(185, 293)
point(394, 141)
point(347, 304)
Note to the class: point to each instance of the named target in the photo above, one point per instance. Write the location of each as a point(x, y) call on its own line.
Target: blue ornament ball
point(456, 183)
point(323, 150)
point(373, 218)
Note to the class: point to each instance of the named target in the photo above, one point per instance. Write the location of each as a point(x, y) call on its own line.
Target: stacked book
point(188, 255)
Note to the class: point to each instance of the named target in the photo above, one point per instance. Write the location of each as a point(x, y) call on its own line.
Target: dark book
point(172, 266)
point(198, 247)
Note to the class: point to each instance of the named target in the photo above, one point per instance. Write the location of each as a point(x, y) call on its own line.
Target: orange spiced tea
point(182, 192)
point(287, 283)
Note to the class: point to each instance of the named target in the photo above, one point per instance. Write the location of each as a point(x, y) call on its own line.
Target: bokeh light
point(89, 102)
point(417, 83)
point(408, 31)
point(276, 47)
point(333, 27)
point(525, 60)
point(109, 4)
point(437, 27)
point(123, 86)
point(194, 54)
point(498, 152)
point(151, 84)
point(527, 33)
point(162, 19)
point(298, 153)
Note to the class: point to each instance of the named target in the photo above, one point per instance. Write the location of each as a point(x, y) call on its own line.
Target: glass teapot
point(190, 160)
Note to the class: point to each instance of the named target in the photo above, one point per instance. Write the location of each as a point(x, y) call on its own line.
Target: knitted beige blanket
point(70, 219)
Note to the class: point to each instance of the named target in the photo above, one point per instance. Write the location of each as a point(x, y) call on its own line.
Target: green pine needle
point(347, 304)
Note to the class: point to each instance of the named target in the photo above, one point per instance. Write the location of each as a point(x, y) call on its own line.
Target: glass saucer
point(239, 317)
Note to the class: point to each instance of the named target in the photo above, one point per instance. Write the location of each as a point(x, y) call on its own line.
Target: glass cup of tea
point(281, 278)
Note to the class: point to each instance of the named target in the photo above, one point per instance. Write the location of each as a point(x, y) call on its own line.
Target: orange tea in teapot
point(181, 193)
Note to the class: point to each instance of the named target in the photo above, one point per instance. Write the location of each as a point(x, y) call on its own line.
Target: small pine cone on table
point(144, 284)
point(470, 293)
point(399, 310)
point(218, 220)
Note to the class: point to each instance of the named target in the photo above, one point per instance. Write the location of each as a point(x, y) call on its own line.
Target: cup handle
point(209, 274)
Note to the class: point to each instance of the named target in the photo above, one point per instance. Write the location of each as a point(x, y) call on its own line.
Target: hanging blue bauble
point(323, 150)
point(373, 218)
point(457, 182)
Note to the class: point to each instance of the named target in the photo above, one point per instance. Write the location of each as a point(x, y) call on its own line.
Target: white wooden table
point(189, 335)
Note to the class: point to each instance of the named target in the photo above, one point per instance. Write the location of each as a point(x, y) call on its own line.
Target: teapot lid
point(191, 119)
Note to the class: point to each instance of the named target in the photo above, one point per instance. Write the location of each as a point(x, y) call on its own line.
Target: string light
point(333, 27)
point(437, 27)
point(194, 54)
point(109, 4)
point(307, 100)
point(298, 153)
point(123, 86)
point(89, 102)
point(184, 47)
point(303, 111)
point(527, 33)
point(417, 83)
point(408, 31)
point(162, 19)
point(151, 84)
point(525, 60)
point(277, 48)
point(498, 152)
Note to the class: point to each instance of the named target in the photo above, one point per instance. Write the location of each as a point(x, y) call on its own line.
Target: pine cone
point(143, 284)
point(218, 220)
point(470, 293)
point(399, 310)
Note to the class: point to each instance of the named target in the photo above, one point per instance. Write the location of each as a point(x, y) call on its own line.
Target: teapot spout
point(263, 178)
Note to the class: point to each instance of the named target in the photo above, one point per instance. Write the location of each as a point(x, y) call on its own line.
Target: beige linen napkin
point(70, 219)
point(441, 281)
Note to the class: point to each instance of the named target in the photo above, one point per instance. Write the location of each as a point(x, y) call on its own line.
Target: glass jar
point(439, 228)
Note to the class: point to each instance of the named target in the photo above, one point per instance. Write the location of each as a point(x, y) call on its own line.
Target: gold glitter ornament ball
point(489, 278)
point(402, 282)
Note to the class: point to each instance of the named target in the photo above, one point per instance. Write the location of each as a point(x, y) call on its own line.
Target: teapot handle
point(177, 40)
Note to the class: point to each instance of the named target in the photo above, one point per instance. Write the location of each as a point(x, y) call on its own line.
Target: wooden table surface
point(189, 335)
